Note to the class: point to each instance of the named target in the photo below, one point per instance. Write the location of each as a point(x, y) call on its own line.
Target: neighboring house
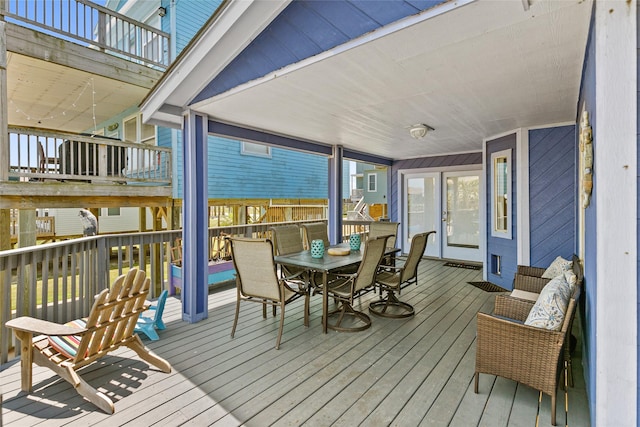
point(110, 220)
point(513, 91)
point(238, 170)
point(63, 84)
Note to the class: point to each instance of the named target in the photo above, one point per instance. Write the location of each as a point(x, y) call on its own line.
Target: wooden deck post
point(5, 242)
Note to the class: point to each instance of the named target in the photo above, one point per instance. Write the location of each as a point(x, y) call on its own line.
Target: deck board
point(416, 371)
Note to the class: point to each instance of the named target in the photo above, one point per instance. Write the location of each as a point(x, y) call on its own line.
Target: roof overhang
point(234, 25)
point(470, 70)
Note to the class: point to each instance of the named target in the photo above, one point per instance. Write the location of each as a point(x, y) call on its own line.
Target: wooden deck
point(399, 372)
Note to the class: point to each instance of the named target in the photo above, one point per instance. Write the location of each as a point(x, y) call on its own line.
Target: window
point(109, 212)
point(501, 194)
point(252, 149)
point(372, 182)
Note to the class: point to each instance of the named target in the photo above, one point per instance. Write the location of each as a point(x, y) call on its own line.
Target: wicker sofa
point(529, 355)
point(528, 281)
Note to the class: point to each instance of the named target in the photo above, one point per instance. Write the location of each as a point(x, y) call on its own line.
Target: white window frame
point(104, 212)
point(372, 188)
point(245, 149)
point(506, 234)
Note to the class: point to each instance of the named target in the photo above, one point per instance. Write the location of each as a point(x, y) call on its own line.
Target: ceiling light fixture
point(420, 130)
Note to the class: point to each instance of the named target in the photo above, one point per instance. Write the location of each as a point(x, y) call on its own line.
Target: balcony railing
point(36, 155)
point(95, 26)
point(45, 227)
point(58, 281)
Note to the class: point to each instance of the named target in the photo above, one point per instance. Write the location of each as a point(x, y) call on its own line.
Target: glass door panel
point(461, 240)
point(422, 207)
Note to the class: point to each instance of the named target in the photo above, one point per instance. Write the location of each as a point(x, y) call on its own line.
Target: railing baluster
point(88, 16)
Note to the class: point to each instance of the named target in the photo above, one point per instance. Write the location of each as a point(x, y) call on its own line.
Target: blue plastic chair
point(148, 325)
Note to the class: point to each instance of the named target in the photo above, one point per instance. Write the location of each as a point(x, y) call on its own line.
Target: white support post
point(615, 194)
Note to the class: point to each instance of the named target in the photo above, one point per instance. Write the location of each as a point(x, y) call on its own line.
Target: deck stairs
point(360, 212)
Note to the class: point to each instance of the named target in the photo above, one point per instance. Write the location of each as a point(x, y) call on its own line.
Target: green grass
point(61, 294)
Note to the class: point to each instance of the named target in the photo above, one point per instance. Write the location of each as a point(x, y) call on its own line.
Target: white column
point(616, 195)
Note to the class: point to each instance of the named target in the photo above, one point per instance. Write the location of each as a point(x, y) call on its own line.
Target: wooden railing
point(93, 25)
point(37, 154)
point(58, 281)
point(45, 227)
point(281, 213)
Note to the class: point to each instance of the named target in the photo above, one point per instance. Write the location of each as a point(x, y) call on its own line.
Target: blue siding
point(306, 28)
point(233, 175)
point(190, 17)
point(552, 194)
point(420, 163)
point(507, 249)
point(287, 174)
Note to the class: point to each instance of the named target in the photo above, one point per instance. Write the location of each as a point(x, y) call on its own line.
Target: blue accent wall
point(588, 304)
point(286, 174)
point(506, 249)
point(552, 194)
point(306, 28)
point(422, 163)
point(190, 17)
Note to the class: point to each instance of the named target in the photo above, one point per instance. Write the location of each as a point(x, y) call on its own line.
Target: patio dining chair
point(257, 280)
point(385, 228)
point(347, 287)
point(315, 231)
point(391, 279)
point(288, 240)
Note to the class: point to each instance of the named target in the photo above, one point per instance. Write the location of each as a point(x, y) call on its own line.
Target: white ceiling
point(47, 95)
point(473, 72)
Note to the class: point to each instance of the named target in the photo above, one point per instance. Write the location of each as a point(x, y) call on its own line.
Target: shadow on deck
point(417, 371)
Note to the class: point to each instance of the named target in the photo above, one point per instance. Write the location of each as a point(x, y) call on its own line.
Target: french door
point(448, 202)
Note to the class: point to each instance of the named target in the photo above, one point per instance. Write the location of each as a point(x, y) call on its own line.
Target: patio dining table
point(325, 265)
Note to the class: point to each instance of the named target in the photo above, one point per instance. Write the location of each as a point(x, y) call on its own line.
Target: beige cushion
point(557, 267)
point(550, 307)
point(529, 296)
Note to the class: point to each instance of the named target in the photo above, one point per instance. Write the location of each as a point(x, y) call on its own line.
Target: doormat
point(463, 265)
point(487, 286)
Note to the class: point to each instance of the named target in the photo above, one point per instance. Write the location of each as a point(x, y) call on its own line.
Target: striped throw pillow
point(68, 344)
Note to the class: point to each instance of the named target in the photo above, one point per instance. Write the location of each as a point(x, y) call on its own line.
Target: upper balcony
point(64, 163)
point(72, 65)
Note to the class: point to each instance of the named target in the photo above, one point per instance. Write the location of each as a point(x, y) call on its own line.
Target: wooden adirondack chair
point(67, 348)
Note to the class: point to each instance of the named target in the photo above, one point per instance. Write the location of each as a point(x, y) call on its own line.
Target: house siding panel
point(552, 194)
point(306, 28)
point(189, 19)
point(286, 174)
